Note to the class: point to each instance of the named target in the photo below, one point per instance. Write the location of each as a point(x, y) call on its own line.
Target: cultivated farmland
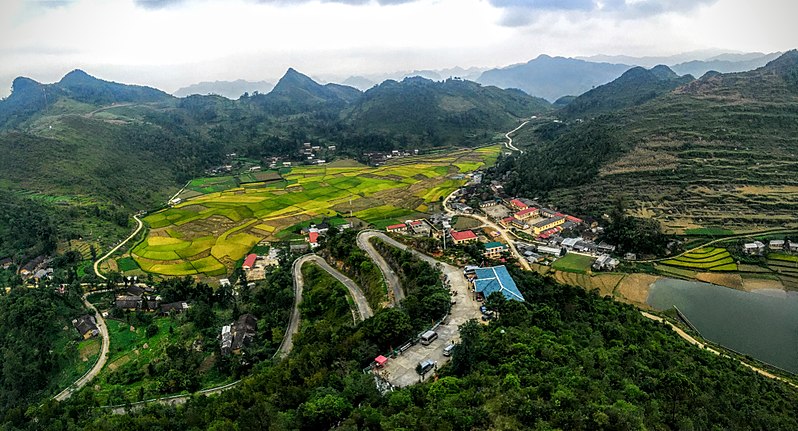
point(705, 259)
point(207, 233)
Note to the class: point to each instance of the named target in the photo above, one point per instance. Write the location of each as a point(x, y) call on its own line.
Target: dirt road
point(113, 250)
point(92, 373)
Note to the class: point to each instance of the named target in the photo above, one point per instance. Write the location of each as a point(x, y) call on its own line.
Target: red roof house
point(249, 262)
point(380, 360)
point(518, 204)
point(526, 213)
point(313, 239)
point(463, 236)
point(396, 227)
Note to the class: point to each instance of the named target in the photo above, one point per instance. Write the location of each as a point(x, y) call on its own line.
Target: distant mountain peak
point(787, 62)
point(662, 71)
point(23, 83)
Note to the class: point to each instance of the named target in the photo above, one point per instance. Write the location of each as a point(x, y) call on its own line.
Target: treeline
point(32, 323)
point(564, 359)
point(26, 229)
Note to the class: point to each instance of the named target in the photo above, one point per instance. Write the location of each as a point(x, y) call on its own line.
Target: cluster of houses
point(35, 270)
point(316, 231)
point(238, 334)
point(254, 265)
point(758, 247)
point(412, 227)
point(540, 222)
point(379, 158)
point(143, 298)
point(310, 153)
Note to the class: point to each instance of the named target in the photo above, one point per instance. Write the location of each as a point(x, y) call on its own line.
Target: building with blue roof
point(496, 279)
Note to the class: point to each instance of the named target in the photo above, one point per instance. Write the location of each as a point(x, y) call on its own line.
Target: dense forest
point(564, 359)
point(32, 322)
point(26, 230)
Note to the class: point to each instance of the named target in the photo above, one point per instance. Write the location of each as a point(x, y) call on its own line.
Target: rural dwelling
point(549, 223)
point(401, 227)
point(176, 307)
point(485, 204)
point(527, 213)
point(419, 227)
point(249, 262)
point(86, 326)
point(313, 239)
point(5, 263)
point(545, 249)
point(463, 237)
point(570, 243)
point(756, 247)
point(606, 248)
point(776, 244)
point(605, 263)
point(496, 279)
point(792, 246)
point(31, 266)
point(518, 205)
point(494, 249)
point(244, 331)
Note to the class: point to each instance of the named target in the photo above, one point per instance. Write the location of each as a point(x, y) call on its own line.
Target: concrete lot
point(401, 371)
point(497, 212)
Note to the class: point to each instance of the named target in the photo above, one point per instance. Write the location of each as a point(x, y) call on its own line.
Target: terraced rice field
point(705, 259)
point(207, 234)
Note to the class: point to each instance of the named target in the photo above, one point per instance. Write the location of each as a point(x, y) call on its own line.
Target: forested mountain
point(689, 156)
point(228, 89)
point(635, 87)
point(553, 77)
point(98, 144)
point(441, 110)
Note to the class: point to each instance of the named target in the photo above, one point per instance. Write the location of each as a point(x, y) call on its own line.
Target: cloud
point(160, 4)
point(519, 13)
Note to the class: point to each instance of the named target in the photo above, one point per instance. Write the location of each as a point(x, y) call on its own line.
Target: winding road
point(364, 311)
point(390, 277)
point(293, 323)
point(106, 342)
point(113, 250)
point(509, 143)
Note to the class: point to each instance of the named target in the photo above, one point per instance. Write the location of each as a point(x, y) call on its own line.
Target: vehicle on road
point(447, 351)
point(424, 366)
point(428, 337)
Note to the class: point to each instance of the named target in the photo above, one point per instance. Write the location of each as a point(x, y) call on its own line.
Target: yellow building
point(549, 223)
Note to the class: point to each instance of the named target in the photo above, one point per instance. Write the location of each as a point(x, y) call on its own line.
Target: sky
point(169, 44)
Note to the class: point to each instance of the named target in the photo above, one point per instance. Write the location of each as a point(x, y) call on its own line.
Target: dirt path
point(701, 345)
point(106, 342)
point(113, 250)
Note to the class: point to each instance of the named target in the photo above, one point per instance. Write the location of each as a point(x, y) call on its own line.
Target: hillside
point(296, 93)
point(564, 359)
point(724, 64)
point(553, 77)
point(713, 152)
point(229, 89)
point(635, 87)
point(451, 111)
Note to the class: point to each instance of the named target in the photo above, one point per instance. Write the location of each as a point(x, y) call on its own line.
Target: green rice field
point(705, 259)
point(206, 234)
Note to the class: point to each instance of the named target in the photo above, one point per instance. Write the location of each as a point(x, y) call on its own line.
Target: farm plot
point(207, 234)
point(705, 259)
point(573, 263)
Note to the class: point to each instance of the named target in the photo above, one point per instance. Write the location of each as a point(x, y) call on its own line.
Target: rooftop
point(463, 235)
point(496, 279)
point(493, 244)
point(250, 260)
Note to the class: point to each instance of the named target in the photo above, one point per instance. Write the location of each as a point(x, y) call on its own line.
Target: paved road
point(485, 221)
point(401, 371)
point(106, 342)
point(113, 250)
point(701, 345)
point(391, 279)
point(509, 143)
point(363, 307)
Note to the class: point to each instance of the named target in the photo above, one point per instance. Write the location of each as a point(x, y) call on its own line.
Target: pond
point(762, 324)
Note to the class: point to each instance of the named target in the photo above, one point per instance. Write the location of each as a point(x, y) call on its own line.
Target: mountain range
point(228, 89)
